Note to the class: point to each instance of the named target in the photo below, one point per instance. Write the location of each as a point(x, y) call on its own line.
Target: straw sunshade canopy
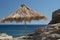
point(24, 13)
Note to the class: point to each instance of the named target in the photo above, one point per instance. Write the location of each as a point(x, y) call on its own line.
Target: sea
point(18, 30)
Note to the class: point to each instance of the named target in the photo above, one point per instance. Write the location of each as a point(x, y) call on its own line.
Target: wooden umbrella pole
point(25, 30)
point(25, 27)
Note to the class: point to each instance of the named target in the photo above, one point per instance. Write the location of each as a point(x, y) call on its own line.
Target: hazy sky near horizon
point(45, 7)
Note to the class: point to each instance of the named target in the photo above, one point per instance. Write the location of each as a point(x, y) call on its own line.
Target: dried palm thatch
point(24, 13)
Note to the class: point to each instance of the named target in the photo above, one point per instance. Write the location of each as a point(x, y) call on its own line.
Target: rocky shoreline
point(49, 32)
point(4, 36)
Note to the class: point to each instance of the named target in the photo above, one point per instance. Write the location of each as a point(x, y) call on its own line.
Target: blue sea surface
point(18, 30)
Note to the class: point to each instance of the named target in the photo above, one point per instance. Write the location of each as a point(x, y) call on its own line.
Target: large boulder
point(50, 32)
point(55, 17)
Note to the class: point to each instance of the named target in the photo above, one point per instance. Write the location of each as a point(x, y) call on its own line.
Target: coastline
point(9, 37)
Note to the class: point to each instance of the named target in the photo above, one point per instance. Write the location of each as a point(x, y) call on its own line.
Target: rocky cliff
point(55, 17)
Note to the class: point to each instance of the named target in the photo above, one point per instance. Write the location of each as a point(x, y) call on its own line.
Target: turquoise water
point(18, 30)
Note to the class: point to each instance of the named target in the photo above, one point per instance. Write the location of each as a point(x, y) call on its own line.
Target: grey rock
point(50, 32)
point(24, 38)
point(55, 17)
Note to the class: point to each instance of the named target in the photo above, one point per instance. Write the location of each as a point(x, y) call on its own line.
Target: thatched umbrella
point(24, 13)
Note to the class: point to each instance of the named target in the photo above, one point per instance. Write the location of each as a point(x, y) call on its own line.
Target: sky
point(46, 7)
